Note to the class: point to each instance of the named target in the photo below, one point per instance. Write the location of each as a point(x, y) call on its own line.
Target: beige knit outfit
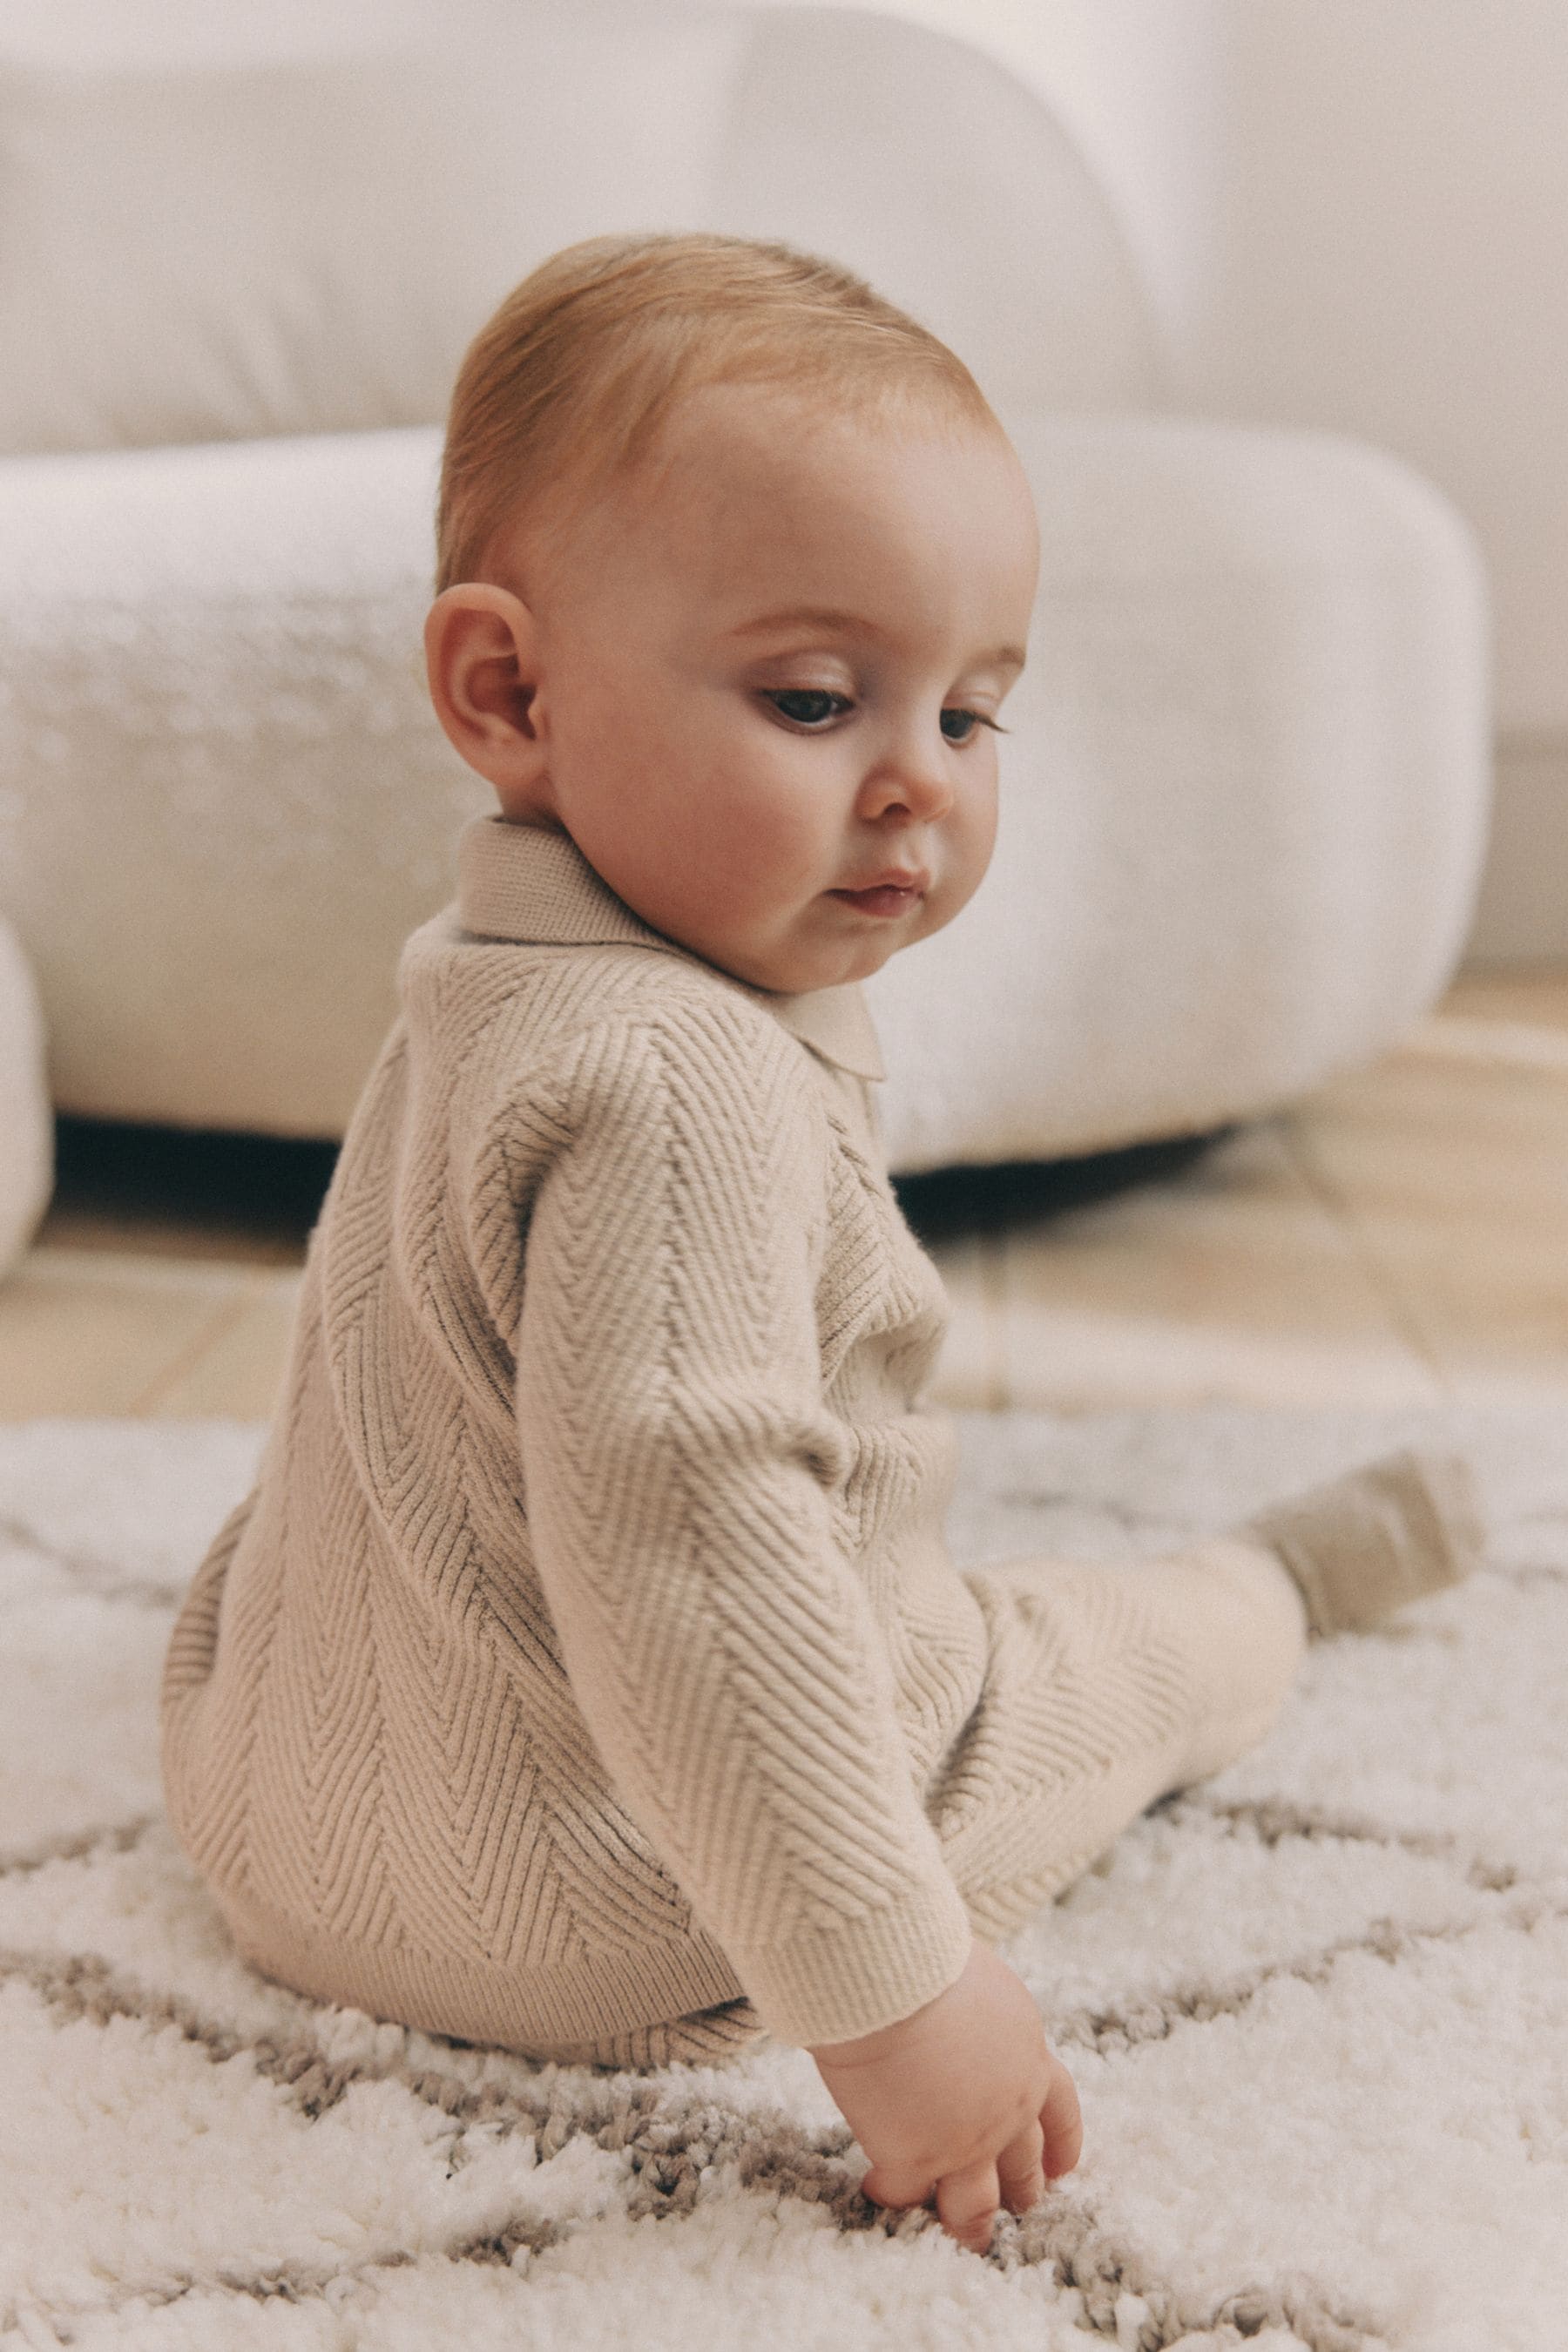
point(586, 1672)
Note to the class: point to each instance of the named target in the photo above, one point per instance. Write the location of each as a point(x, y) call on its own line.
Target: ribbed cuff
point(834, 1984)
point(1361, 1546)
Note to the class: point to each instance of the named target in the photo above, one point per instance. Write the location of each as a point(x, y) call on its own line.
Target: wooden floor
point(1399, 1237)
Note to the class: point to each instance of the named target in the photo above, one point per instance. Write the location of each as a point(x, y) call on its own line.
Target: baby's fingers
point(1019, 2172)
point(1061, 2122)
point(898, 2185)
point(966, 2205)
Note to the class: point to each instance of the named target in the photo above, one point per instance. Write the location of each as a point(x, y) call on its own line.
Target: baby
point(586, 1673)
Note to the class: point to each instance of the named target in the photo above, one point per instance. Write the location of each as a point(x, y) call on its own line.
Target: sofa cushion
point(320, 201)
point(316, 238)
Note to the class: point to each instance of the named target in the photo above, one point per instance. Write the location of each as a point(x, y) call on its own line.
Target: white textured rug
point(1317, 2011)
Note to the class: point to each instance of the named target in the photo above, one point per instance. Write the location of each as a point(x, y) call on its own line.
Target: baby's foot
point(1363, 1545)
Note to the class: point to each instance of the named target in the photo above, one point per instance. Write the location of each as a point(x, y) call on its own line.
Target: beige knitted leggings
point(1105, 1687)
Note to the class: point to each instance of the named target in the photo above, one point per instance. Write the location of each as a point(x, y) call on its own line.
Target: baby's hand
point(963, 2099)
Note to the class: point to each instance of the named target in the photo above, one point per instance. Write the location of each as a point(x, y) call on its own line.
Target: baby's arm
point(678, 1461)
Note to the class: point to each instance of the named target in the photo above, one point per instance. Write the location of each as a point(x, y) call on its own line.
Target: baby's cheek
point(955, 887)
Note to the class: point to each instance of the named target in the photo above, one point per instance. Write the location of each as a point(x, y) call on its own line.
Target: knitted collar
point(522, 882)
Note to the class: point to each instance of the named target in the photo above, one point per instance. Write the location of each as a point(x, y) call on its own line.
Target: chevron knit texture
point(586, 1657)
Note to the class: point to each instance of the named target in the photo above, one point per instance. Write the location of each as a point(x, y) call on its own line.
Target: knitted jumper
point(587, 1650)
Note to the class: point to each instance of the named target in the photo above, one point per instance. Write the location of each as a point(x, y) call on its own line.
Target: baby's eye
point(963, 724)
point(808, 706)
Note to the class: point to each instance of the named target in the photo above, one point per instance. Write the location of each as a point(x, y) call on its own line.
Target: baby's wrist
point(864, 2048)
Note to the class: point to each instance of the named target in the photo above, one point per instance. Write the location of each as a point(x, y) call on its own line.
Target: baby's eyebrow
point(811, 617)
point(831, 620)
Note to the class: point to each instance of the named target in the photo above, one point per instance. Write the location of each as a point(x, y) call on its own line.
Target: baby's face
point(765, 674)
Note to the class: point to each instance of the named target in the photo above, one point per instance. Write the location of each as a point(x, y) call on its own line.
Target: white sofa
point(1245, 793)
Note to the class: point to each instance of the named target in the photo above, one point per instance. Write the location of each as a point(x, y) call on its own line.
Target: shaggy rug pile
point(1317, 2009)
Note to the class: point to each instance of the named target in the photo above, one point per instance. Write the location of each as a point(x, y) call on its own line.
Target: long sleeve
point(678, 1461)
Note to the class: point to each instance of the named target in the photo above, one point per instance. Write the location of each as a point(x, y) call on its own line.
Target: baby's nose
point(917, 775)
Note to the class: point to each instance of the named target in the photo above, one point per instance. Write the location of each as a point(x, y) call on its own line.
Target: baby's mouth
point(887, 900)
point(892, 892)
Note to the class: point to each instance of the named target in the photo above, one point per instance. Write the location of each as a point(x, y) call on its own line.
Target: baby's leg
point(1105, 1688)
point(1363, 1545)
point(1110, 1686)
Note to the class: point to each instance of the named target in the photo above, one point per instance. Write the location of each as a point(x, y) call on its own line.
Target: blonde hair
point(566, 386)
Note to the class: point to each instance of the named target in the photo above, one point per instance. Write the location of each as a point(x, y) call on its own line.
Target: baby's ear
point(479, 646)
